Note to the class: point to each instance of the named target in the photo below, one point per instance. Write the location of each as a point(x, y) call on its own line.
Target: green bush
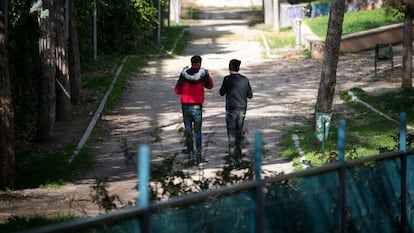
point(354, 22)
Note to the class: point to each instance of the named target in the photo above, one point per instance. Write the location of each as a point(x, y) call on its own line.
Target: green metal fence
point(371, 194)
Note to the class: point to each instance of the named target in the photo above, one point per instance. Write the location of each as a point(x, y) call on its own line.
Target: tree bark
point(47, 50)
point(63, 102)
point(331, 55)
point(7, 156)
point(407, 49)
point(74, 57)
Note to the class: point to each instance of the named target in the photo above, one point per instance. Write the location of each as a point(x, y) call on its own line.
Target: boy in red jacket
point(190, 86)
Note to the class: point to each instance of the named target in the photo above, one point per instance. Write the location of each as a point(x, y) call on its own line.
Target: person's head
point(196, 60)
point(234, 65)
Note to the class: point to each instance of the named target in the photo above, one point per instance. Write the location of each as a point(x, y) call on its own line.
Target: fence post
point(258, 155)
point(257, 196)
point(403, 147)
point(341, 140)
point(403, 132)
point(341, 157)
point(143, 179)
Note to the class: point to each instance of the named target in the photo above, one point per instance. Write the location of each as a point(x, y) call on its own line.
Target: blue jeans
point(234, 122)
point(193, 118)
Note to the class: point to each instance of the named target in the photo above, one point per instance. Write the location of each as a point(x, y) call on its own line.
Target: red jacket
point(191, 84)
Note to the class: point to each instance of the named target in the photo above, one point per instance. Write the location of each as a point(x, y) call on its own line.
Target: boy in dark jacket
point(190, 86)
point(237, 89)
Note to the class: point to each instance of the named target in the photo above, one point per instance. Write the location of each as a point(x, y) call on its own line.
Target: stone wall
point(392, 34)
point(226, 3)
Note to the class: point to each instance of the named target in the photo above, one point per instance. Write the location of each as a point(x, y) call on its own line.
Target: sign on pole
point(323, 120)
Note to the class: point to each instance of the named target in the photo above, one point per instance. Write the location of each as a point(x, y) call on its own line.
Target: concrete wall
point(354, 42)
point(226, 3)
point(368, 39)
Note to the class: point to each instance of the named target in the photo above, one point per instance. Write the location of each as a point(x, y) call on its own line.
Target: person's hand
point(206, 80)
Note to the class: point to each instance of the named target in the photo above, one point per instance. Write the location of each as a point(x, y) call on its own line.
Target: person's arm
point(209, 84)
point(249, 91)
point(223, 88)
point(179, 86)
point(208, 81)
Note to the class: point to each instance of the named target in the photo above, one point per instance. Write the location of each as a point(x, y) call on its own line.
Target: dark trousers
point(234, 122)
point(193, 118)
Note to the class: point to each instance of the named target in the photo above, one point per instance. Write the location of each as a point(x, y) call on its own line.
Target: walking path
point(284, 94)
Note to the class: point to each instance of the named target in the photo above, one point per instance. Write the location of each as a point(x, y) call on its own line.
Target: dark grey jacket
point(237, 89)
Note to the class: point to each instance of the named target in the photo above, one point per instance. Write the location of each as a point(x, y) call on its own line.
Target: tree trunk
point(7, 159)
point(47, 49)
point(63, 102)
point(74, 57)
point(407, 49)
point(331, 55)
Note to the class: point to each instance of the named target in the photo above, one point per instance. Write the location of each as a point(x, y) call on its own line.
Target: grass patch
point(353, 22)
point(50, 170)
point(285, 38)
point(174, 38)
point(367, 133)
point(17, 224)
point(391, 103)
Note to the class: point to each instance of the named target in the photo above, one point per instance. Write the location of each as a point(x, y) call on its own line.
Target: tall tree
point(74, 57)
point(47, 48)
point(63, 102)
point(7, 160)
point(406, 7)
point(408, 46)
point(331, 55)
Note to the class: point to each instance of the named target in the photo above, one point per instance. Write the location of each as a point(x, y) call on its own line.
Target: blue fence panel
point(410, 192)
point(308, 201)
point(373, 192)
point(226, 214)
point(307, 204)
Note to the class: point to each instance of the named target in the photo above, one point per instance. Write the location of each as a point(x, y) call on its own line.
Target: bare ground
point(285, 90)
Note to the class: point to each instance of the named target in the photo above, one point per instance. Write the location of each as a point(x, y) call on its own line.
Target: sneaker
point(236, 164)
point(199, 158)
point(190, 155)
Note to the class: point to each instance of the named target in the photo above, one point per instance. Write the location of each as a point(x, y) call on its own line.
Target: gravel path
point(284, 94)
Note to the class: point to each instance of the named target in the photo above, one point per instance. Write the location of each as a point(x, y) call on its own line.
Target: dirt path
point(284, 93)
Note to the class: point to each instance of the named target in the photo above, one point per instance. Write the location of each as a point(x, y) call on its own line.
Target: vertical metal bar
point(258, 155)
point(169, 13)
point(298, 22)
point(323, 137)
point(341, 140)
point(143, 179)
point(94, 39)
point(341, 155)
point(258, 200)
point(403, 132)
point(403, 145)
point(375, 59)
point(392, 57)
point(159, 23)
point(276, 16)
point(143, 175)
